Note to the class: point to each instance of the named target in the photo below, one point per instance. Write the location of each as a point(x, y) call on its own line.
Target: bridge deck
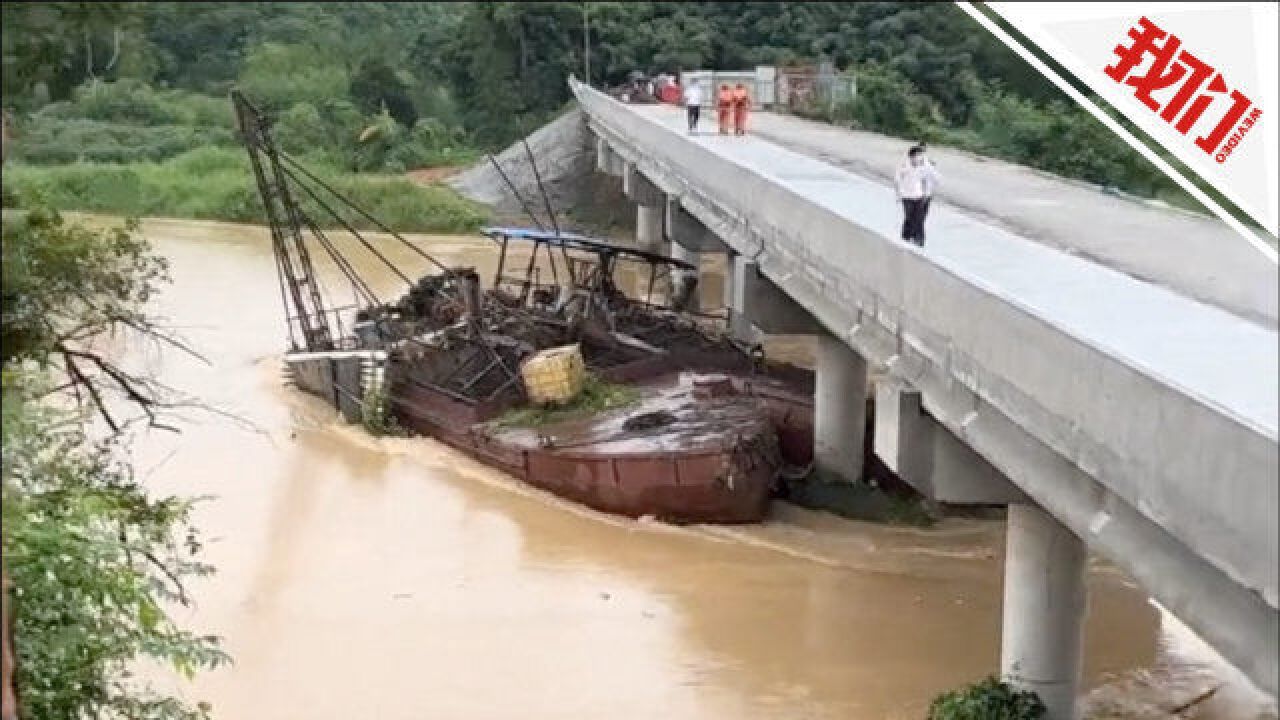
point(1195, 255)
point(1221, 359)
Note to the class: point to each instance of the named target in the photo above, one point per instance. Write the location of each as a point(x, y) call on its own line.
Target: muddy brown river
point(397, 579)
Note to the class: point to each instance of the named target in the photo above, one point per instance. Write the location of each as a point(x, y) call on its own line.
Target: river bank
point(215, 183)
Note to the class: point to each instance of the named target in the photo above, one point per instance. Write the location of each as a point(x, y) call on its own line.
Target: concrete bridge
point(1111, 414)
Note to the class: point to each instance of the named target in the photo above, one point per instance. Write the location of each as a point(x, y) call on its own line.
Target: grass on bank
point(215, 183)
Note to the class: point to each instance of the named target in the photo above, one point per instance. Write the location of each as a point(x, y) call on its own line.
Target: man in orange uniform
point(724, 108)
point(741, 104)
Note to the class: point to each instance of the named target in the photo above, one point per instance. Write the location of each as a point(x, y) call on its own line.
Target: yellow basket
point(555, 375)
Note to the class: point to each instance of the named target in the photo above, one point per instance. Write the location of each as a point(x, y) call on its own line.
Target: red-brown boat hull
point(727, 486)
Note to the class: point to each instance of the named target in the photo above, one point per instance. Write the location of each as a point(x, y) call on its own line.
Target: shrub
point(376, 85)
point(989, 699)
point(375, 414)
point(887, 102)
point(1013, 128)
point(376, 140)
point(134, 102)
point(276, 77)
point(430, 144)
point(57, 141)
point(301, 128)
point(216, 184)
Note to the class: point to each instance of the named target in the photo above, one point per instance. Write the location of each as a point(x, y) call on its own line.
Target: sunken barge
point(708, 427)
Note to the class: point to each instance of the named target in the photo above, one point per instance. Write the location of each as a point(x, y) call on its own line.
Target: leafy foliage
point(55, 142)
point(215, 184)
point(49, 48)
point(887, 99)
point(62, 282)
point(278, 76)
point(133, 102)
point(375, 414)
point(989, 699)
point(95, 559)
point(923, 71)
point(376, 86)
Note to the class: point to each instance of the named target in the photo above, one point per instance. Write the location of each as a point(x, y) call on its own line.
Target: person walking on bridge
point(693, 103)
point(915, 182)
point(724, 108)
point(741, 104)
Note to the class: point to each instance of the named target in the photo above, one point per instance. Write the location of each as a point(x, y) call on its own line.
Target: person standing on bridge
point(741, 104)
point(915, 182)
point(693, 103)
point(724, 108)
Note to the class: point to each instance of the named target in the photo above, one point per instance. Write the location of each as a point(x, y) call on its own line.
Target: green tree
point(375, 85)
point(278, 76)
point(57, 46)
point(888, 102)
point(93, 556)
point(301, 129)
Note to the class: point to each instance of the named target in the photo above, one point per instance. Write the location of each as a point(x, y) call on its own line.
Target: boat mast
point(303, 302)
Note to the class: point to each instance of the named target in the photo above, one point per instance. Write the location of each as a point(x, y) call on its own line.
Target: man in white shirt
point(915, 182)
point(693, 103)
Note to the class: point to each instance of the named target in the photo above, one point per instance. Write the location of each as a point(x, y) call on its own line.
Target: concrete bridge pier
point(692, 257)
point(608, 161)
point(737, 276)
point(649, 228)
point(1044, 608)
point(651, 205)
point(756, 305)
point(688, 239)
point(1044, 590)
point(839, 410)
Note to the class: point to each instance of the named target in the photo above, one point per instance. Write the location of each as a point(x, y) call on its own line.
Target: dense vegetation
point(94, 556)
point(989, 699)
point(923, 71)
point(216, 184)
point(390, 87)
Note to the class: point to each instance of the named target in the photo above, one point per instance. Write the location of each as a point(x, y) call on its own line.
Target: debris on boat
point(707, 427)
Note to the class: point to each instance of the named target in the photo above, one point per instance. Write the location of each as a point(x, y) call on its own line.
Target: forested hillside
point(391, 87)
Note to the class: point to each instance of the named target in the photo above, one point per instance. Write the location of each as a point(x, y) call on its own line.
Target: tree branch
point(115, 50)
point(82, 380)
point(88, 54)
point(177, 583)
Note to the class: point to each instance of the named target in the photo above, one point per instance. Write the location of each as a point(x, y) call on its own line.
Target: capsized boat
point(709, 424)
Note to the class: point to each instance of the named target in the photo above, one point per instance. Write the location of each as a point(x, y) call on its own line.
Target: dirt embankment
point(433, 175)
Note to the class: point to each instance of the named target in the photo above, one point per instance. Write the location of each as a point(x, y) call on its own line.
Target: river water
point(395, 578)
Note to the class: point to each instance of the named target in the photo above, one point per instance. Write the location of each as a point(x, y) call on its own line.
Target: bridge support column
point(839, 410)
point(651, 208)
point(679, 252)
point(649, 228)
point(741, 326)
point(689, 238)
point(1044, 608)
point(603, 161)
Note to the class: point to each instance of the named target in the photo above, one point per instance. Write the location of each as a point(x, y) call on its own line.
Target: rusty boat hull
point(718, 461)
